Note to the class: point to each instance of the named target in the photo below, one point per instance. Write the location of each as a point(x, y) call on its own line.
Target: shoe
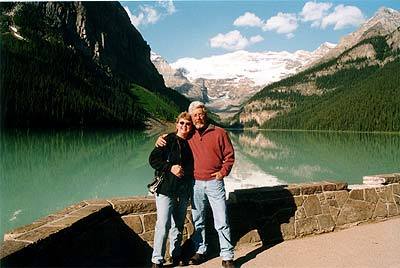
point(176, 262)
point(228, 264)
point(197, 259)
point(157, 265)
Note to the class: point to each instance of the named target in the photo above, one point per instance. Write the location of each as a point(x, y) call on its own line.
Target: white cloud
point(283, 23)
point(248, 19)
point(147, 15)
point(313, 11)
point(289, 35)
point(233, 40)
point(343, 16)
point(256, 39)
point(168, 5)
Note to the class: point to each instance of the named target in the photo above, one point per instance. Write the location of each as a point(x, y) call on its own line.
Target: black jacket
point(177, 151)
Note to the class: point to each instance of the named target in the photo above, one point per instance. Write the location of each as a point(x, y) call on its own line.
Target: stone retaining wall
point(119, 232)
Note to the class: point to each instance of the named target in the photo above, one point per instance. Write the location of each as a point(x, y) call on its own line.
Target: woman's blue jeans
point(212, 191)
point(171, 213)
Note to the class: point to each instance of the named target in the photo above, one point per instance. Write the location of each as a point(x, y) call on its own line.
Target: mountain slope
point(72, 64)
point(226, 81)
point(370, 104)
point(308, 100)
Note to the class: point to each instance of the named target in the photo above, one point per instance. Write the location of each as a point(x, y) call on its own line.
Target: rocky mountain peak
point(324, 48)
point(384, 22)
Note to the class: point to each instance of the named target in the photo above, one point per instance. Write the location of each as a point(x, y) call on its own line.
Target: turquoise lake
point(44, 171)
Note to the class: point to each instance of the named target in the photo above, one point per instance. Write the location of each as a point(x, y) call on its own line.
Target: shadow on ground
point(256, 215)
point(109, 243)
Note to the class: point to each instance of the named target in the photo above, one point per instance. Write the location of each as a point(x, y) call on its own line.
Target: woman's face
point(183, 127)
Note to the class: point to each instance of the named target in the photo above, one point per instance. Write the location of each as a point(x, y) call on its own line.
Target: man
point(213, 160)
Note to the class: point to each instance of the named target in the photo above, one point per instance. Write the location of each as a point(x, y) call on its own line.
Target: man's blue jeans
point(171, 213)
point(212, 191)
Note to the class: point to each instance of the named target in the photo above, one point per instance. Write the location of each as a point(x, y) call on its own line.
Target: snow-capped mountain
point(260, 67)
point(230, 79)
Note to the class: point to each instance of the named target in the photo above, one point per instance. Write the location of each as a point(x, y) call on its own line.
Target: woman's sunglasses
point(188, 124)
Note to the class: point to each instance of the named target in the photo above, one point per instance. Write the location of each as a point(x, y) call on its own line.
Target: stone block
point(381, 179)
point(287, 229)
point(9, 247)
point(341, 186)
point(69, 209)
point(341, 197)
point(396, 188)
point(300, 213)
point(97, 202)
point(333, 203)
point(88, 210)
point(385, 194)
point(326, 223)
point(354, 211)
point(23, 229)
point(312, 206)
point(325, 209)
point(148, 236)
point(309, 189)
point(38, 234)
point(334, 211)
point(149, 221)
point(298, 200)
point(65, 221)
point(134, 206)
point(328, 186)
point(371, 195)
point(250, 237)
point(294, 190)
point(306, 226)
point(134, 222)
point(392, 208)
point(380, 210)
point(396, 199)
point(357, 194)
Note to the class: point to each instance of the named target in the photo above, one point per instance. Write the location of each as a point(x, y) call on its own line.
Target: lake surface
point(42, 172)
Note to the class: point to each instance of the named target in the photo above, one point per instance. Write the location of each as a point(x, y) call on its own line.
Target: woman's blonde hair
point(184, 115)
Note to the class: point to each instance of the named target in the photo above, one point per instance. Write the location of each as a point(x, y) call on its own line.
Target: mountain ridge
point(289, 103)
point(74, 64)
point(229, 79)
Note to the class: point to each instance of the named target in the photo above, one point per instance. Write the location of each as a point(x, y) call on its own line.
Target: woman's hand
point(177, 170)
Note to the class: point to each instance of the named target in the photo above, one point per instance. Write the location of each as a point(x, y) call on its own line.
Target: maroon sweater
point(212, 151)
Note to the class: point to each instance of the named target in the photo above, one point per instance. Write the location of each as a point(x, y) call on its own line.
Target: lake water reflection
point(42, 172)
point(295, 156)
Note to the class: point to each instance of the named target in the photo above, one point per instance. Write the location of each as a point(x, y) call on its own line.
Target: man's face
point(199, 118)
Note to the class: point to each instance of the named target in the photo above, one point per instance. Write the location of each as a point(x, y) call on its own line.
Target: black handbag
point(155, 184)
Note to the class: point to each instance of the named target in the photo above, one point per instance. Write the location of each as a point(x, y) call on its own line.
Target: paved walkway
point(367, 245)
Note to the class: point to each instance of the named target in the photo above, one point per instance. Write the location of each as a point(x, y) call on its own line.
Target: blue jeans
point(171, 214)
point(212, 191)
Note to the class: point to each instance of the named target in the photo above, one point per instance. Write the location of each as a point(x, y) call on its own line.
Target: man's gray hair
point(195, 105)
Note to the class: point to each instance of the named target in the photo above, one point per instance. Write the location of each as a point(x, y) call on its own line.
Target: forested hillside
point(54, 75)
point(371, 103)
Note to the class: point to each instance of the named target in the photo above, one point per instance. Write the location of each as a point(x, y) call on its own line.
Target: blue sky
point(177, 29)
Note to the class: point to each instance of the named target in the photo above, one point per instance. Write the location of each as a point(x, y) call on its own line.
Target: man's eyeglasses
point(201, 115)
point(188, 124)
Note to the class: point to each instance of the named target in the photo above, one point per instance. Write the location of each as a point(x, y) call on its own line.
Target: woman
point(172, 197)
